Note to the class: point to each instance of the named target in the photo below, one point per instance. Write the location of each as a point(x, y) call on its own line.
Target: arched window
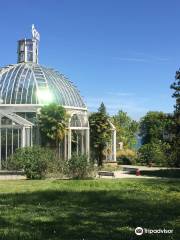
point(75, 121)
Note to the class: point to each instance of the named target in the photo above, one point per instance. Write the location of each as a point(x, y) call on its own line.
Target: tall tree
point(126, 129)
point(153, 127)
point(154, 130)
point(176, 127)
point(102, 109)
point(52, 123)
point(176, 87)
point(100, 133)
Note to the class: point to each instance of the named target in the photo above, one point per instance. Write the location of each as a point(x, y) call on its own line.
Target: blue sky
point(122, 52)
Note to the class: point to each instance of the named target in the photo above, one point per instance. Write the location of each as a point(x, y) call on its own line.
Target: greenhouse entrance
point(15, 132)
point(76, 140)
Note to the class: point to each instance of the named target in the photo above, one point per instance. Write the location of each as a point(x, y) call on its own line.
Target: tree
point(102, 109)
point(126, 129)
point(154, 130)
point(176, 87)
point(175, 156)
point(100, 133)
point(153, 126)
point(52, 123)
point(156, 153)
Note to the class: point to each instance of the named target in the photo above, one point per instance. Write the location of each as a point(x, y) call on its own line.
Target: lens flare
point(44, 96)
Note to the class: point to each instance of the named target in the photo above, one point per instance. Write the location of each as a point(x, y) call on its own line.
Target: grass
point(167, 173)
point(89, 209)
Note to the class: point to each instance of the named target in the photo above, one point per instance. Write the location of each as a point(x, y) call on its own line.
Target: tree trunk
point(100, 157)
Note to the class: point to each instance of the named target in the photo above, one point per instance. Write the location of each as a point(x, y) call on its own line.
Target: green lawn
point(89, 210)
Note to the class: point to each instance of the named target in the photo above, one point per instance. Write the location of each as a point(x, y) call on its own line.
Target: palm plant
point(52, 123)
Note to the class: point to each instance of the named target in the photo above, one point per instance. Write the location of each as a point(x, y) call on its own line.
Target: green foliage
point(52, 123)
point(153, 126)
point(176, 87)
point(175, 154)
point(157, 132)
point(126, 156)
point(154, 153)
point(126, 129)
point(33, 160)
point(102, 109)
point(78, 167)
point(100, 134)
point(56, 167)
point(174, 159)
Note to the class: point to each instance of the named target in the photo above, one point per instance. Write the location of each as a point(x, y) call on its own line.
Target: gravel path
point(125, 174)
point(12, 177)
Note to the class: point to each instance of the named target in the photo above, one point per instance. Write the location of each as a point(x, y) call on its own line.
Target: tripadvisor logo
point(139, 231)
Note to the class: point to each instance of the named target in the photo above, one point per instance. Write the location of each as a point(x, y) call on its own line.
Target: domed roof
point(30, 83)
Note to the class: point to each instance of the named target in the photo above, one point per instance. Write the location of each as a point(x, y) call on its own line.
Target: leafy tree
point(154, 130)
point(126, 129)
point(176, 87)
point(153, 126)
point(100, 133)
point(155, 153)
point(175, 156)
point(102, 109)
point(52, 123)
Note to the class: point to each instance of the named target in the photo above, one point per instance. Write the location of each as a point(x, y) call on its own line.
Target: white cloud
point(134, 56)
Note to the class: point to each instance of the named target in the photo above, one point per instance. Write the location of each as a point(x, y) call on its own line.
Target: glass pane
point(6, 121)
point(29, 56)
point(21, 48)
point(15, 139)
point(21, 57)
point(9, 142)
point(3, 144)
point(29, 46)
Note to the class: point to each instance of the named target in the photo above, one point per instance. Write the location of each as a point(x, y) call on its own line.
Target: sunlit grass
point(89, 209)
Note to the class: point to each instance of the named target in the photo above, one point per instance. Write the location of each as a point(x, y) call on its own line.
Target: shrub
point(154, 153)
point(78, 167)
point(56, 167)
point(33, 160)
point(126, 156)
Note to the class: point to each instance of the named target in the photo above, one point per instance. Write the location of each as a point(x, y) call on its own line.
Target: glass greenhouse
point(24, 88)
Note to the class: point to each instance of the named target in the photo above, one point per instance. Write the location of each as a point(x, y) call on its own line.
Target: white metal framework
point(24, 88)
point(110, 151)
point(15, 132)
point(30, 83)
point(77, 139)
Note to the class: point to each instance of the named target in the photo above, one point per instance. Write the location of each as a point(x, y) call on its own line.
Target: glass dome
point(30, 83)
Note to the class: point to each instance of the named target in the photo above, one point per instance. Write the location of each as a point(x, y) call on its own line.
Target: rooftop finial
point(35, 33)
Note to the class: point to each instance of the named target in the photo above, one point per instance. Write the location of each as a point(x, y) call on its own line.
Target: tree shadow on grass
point(88, 215)
point(163, 173)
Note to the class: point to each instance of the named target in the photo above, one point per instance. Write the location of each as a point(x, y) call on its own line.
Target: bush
point(56, 167)
point(154, 153)
point(32, 160)
point(78, 167)
point(126, 156)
